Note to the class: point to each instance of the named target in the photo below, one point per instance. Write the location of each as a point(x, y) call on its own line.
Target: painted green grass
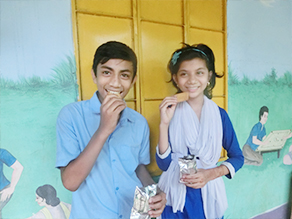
point(29, 109)
point(63, 76)
point(28, 119)
point(270, 79)
point(255, 190)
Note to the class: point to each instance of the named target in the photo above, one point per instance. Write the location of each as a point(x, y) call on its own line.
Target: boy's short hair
point(262, 111)
point(114, 50)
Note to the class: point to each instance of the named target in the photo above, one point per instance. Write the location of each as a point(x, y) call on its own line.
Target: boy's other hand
point(110, 110)
point(157, 204)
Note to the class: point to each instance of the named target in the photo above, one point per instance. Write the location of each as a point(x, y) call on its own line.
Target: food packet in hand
point(187, 164)
point(141, 201)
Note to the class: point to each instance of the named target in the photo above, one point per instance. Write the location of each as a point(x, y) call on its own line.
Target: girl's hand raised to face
point(167, 108)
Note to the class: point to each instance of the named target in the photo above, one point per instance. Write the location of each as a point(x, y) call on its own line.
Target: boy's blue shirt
point(108, 190)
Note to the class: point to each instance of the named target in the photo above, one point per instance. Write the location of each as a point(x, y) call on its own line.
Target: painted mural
point(38, 77)
point(28, 120)
point(46, 197)
point(260, 107)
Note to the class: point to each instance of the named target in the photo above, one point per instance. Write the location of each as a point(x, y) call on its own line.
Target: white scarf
point(203, 139)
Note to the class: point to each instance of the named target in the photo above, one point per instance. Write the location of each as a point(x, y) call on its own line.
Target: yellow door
point(153, 29)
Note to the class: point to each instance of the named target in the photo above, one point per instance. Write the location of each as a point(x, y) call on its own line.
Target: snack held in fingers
point(115, 93)
point(184, 96)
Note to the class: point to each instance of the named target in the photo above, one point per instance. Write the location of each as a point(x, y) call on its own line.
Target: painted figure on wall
point(7, 187)
point(255, 139)
point(46, 196)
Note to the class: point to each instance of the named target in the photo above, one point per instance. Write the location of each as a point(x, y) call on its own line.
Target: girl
point(199, 127)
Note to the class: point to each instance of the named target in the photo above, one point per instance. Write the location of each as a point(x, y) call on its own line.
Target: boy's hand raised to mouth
point(110, 110)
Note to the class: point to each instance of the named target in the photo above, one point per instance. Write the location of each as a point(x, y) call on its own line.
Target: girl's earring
point(208, 84)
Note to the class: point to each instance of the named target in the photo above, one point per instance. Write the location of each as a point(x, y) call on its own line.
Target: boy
point(102, 145)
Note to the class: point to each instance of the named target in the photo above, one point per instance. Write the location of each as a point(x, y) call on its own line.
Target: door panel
point(106, 7)
point(220, 101)
point(93, 31)
point(154, 74)
point(151, 108)
point(207, 14)
point(162, 11)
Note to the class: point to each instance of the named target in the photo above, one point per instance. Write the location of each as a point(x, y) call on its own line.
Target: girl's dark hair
point(188, 52)
point(262, 111)
point(114, 50)
point(49, 193)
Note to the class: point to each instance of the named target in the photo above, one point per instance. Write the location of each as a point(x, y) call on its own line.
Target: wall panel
point(151, 108)
point(162, 11)
point(158, 43)
point(92, 32)
point(207, 14)
point(105, 7)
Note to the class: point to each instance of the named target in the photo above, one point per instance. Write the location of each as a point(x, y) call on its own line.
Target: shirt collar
point(95, 103)
point(95, 107)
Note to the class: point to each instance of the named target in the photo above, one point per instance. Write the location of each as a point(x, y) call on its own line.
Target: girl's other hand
point(197, 180)
point(203, 176)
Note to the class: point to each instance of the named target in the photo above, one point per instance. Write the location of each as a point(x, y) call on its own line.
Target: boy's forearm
point(77, 170)
point(143, 175)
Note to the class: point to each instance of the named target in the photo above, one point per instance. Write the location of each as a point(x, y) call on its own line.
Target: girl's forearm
point(217, 172)
point(163, 138)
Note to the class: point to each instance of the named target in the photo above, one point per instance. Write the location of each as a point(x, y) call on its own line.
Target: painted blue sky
point(259, 37)
point(33, 35)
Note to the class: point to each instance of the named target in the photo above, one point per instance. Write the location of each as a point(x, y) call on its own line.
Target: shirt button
point(114, 160)
point(120, 216)
point(117, 188)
